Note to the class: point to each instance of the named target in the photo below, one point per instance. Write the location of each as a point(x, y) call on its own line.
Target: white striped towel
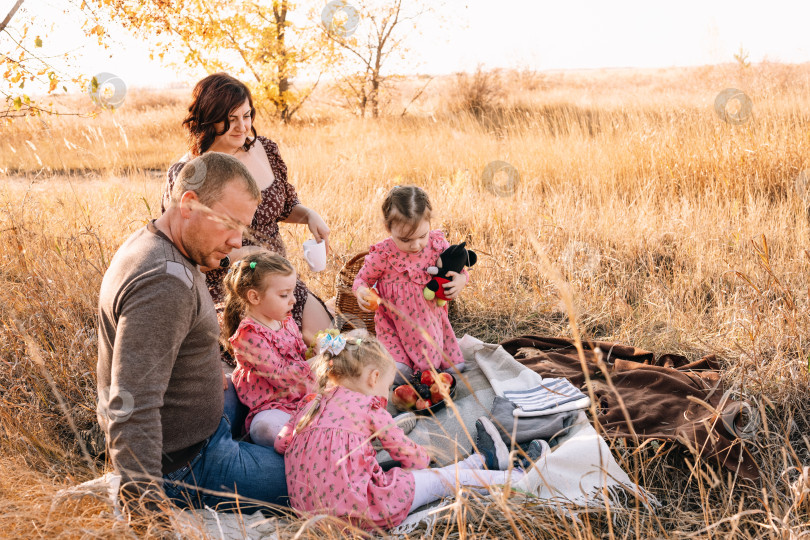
point(506, 374)
point(551, 393)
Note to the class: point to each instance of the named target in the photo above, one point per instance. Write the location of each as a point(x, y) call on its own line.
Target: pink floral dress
point(411, 326)
point(271, 372)
point(332, 468)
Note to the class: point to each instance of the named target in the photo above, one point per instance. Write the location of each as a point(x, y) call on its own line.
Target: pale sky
point(538, 34)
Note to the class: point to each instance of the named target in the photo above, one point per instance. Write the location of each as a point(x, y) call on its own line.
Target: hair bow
point(331, 344)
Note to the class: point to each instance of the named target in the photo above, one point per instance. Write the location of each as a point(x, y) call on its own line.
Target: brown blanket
point(655, 392)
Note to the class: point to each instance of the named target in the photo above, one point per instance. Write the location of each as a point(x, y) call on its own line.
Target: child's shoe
point(534, 452)
point(406, 421)
point(490, 445)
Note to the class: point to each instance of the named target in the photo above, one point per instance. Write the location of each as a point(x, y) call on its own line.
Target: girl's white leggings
point(266, 426)
point(433, 484)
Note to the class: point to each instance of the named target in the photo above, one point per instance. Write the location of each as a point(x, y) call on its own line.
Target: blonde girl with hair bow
point(330, 463)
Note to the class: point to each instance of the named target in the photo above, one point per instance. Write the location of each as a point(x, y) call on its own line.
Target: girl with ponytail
point(271, 375)
point(329, 460)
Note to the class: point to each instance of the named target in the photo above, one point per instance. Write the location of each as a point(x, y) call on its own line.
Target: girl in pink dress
point(271, 375)
point(330, 463)
point(415, 331)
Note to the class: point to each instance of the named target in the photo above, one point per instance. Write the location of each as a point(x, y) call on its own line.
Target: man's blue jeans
point(229, 473)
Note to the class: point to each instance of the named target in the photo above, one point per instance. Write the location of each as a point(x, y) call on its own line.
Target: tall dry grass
point(676, 231)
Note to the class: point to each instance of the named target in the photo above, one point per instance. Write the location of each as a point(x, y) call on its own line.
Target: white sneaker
point(406, 421)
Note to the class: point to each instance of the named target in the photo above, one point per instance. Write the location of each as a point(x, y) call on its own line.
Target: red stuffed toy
point(452, 259)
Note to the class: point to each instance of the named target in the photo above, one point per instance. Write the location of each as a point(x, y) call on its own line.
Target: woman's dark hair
point(213, 99)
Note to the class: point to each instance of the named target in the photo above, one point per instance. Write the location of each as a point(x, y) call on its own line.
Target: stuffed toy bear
point(452, 259)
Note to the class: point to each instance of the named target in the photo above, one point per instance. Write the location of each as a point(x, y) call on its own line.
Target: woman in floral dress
point(220, 119)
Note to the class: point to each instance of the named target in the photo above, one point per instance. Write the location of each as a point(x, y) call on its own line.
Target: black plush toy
point(452, 259)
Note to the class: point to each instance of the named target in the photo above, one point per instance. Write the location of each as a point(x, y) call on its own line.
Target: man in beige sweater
point(160, 381)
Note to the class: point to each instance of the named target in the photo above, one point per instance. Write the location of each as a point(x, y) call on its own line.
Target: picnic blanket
point(666, 397)
point(580, 470)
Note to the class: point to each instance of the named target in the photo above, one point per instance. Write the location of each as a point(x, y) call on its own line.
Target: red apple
point(405, 397)
point(446, 378)
point(423, 404)
point(427, 378)
point(436, 394)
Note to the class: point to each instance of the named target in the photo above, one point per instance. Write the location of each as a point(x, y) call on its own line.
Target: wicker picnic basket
point(349, 315)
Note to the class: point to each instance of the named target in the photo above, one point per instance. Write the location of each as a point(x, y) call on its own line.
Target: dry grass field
point(674, 231)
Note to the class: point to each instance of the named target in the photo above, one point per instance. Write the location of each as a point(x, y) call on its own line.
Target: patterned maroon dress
point(278, 200)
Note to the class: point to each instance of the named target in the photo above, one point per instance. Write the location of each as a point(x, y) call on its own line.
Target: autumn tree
point(22, 63)
point(255, 41)
point(370, 33)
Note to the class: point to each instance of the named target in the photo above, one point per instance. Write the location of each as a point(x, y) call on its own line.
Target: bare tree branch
point(383, 36)
point(306, 96)
point(10, 15)
point(415, 97)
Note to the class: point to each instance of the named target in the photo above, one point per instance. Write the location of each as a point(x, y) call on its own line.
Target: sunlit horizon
point(518, 34)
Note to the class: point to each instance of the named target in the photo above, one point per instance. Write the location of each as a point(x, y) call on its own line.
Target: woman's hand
point(453, 288)
point(361, 294)
point(302, 214)
point(318, 228)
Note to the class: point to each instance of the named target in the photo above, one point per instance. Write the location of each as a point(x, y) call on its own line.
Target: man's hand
point(145, 506)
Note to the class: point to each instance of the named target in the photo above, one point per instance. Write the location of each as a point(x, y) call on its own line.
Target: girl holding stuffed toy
point(329, 460)
point(271, 375)
point(415, 330)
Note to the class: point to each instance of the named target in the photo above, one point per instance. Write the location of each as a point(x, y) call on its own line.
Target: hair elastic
point(253, 265)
